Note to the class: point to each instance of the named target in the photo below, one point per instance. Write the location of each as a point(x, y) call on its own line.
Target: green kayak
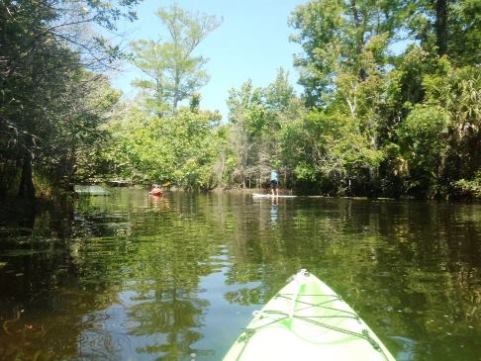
point(307, 320)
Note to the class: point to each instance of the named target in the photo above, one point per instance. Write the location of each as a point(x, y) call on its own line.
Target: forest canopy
point(390, 107)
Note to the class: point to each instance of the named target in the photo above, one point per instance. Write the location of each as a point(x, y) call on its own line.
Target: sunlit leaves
point(258, 118)
point(181, 149)
point(341, 37)
point(175, 73)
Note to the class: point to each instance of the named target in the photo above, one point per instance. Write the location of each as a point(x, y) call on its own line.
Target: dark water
point(131, 277)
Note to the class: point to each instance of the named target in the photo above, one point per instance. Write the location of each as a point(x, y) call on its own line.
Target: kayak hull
point(306, 320)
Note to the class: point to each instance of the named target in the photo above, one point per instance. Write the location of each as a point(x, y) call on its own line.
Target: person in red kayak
point(156, 190)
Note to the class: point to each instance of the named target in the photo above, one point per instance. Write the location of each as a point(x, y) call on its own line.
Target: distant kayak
point(307, 320)
point(268, 195)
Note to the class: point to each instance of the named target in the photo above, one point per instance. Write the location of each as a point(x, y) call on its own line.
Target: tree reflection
point(122, 277)
point(411, 269)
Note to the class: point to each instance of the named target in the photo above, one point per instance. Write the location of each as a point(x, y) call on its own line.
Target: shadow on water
point(130, 276)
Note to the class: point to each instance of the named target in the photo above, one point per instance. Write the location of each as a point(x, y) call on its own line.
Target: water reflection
point(274, 210)
point(132, 277)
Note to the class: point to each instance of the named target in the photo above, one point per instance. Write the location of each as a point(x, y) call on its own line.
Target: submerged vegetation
point(391, 103)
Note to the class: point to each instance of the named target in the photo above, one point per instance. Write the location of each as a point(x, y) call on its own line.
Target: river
point(134, 277)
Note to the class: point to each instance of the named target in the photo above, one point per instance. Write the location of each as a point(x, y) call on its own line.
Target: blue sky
point(252, 43)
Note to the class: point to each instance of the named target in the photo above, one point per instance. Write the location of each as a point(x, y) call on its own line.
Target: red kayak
point(156, 192)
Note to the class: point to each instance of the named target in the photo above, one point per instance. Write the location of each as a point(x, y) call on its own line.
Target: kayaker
point(156, 190)
point(274, 183)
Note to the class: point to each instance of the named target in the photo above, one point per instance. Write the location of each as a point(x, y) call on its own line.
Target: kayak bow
point(307, 320)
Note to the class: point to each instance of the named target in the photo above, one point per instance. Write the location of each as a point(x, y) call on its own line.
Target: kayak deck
point(307, 320)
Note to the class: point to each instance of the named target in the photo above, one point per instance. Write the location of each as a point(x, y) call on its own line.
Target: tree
point(465, 37)
point(181, 148)
point(257, 118)
point(423, 142)
point(336, 36)
point(174, 72)
point(42, 74)
point(451, 28)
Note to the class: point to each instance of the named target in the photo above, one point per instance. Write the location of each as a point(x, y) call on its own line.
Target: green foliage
point(341, 37)
point(174, 72)
point(52, 99)
point(258, 118)
point(458, 91)
point(181, 149)
point(369, 122)
point(423, 142)
point(465, 35)
point(469, 188)
point(451, 28)
point(387, 124)
point(154, 141)
point(328, 149)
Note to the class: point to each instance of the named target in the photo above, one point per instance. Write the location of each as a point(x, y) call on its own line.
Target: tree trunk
point(26, 189)
point(441, 26)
